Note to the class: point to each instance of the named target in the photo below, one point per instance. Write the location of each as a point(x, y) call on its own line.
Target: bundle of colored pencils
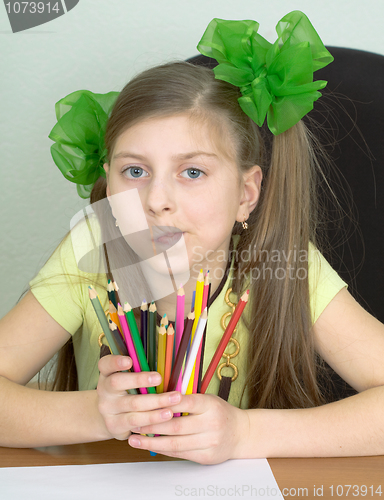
point(178, 346)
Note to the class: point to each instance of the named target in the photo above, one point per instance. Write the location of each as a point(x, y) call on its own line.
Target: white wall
point(99, 46)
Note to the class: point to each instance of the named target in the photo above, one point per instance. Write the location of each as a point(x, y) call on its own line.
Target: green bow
point(79, 150)
point(276, 81)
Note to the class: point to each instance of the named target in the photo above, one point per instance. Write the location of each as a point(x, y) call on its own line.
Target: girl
point(188, 157)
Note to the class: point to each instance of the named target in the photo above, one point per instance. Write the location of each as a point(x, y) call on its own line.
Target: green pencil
point(111, 293)
point(104, 325)
point(137, 342)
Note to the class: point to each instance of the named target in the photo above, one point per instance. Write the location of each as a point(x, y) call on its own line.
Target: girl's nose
point(159, 198)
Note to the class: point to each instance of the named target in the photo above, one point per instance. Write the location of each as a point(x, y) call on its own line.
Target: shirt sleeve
point(62, 288)
point(324, 282)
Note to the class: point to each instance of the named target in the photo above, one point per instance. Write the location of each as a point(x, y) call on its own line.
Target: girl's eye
point(135, 172)
point(192, 173)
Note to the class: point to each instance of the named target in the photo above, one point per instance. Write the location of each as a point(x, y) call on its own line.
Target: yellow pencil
point(197, 309)
point(164, 321)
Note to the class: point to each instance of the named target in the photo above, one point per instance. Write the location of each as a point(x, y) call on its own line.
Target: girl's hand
point(122, 411)
point(211, 433)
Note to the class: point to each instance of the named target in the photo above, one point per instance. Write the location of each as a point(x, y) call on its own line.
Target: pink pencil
point(198, 357)
point(130, 345)
point(180, 305)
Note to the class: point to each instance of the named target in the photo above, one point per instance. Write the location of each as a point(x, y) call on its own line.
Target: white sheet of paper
point(140, 481)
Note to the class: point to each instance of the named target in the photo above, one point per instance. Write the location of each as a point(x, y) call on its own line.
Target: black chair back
point(351, 112)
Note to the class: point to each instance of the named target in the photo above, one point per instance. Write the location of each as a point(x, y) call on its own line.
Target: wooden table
point(296, 477)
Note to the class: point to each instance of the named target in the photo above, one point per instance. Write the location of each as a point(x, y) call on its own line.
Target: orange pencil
point(115, 318)
point(161, 348)
point(168, 356)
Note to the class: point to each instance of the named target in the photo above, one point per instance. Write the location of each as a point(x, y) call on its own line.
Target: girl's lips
point(168, 239)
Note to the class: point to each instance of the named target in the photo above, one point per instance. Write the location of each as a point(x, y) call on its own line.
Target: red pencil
point(181, 352)
point(224, 341)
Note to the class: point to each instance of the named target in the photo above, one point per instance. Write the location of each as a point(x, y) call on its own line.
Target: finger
point(174, 445)
point(177, 426)
point(149, 402)
point(113, 363)
point(120, 382)
point(128, 403)
point(122, 424)
point(196, 403)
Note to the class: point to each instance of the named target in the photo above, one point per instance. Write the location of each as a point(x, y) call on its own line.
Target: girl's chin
point(159, 269)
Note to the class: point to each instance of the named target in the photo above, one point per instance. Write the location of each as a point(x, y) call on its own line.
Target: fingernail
point(154, 379)
point(134, 442)
point(174, 397)
point(166, 414)
point(136, 429)
point(124, 362)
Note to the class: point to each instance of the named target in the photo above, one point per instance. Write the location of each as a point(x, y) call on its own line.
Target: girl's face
point(184, 182)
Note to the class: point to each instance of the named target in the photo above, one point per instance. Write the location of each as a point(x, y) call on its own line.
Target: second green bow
point(276, 80)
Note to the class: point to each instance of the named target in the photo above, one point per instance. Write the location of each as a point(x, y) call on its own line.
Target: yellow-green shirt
point(62, 289)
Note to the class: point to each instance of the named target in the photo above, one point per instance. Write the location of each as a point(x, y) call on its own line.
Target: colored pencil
point(104, 324)
point(130, 345)
point(116, 288)
point(176, 370)
point(196, 342)
point(180, 308)
point(117, 337)
point(196, 376)
point(102, 319)
point(203, 344)
point(114, 317)
point(224, 341)
point(152, 337)
point(164, 321)
point(111, 293)
point(168, 356)
point(144, 326)
point(137, 341)
point(161, 350)
point(205, 291)
point(135, 361)
point(198, 305)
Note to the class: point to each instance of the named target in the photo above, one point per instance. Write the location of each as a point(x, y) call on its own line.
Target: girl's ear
point(106, 168)
point(251, 192)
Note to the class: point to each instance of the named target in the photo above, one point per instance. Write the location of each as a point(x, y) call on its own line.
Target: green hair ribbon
point(276, 80)
point(79, 150)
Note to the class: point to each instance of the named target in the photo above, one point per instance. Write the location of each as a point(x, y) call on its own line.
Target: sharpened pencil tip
point(127, 307)
point(112, 325)
point(144, 306)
